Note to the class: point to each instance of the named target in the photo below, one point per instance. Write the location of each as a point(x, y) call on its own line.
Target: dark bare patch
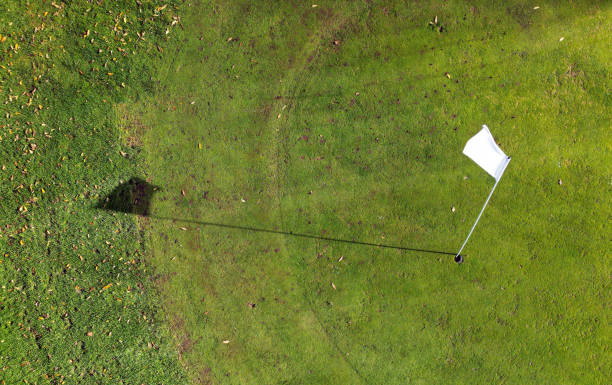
point(325, 15)
point(573, 71)
point(177, 323)
point(193, 242)
point(177, 327)
point(265, 110)
point(521, 14)
point(204, 376)
point(161, 279)
point(130, 124)
point(185, 345)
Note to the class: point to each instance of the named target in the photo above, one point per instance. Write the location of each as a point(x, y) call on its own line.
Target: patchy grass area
point(77, 305)
point(347, 121)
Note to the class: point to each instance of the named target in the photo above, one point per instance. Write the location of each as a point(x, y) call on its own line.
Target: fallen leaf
point(536, 7)
point(334, 286)
point(183, 228)
point(226, 342)
point(561, 39)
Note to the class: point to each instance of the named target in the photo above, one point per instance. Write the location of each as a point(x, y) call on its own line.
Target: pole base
point(458, 258)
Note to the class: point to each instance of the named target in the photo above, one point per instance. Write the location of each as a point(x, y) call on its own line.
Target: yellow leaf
point(107, 286)
point(200, 146)
point(21, 242)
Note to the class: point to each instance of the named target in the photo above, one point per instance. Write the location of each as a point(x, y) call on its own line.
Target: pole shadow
point(135, 195)
point(299, 235)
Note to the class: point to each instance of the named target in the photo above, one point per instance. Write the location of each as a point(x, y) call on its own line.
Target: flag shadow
point(135, 195)
point(132, 197)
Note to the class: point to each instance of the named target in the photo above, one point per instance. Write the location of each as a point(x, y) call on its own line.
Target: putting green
point(346, 121)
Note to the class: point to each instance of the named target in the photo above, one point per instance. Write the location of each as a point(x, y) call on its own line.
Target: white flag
point(483, 150)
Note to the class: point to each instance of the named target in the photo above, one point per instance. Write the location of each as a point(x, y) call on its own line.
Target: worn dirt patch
point(177, 327)
point(521, 14)
point(204, 376)
point(160, 280)
point(130, 125)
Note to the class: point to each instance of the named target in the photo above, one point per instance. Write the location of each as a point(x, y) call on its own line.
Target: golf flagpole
point(458, 257)
point(483, 150)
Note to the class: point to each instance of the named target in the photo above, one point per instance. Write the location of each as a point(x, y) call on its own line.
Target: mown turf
point(347, 121)
point(77, 305)
point(272, 129)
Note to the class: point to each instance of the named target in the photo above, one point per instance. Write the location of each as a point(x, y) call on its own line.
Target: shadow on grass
point(134, 197)
point(292, 234)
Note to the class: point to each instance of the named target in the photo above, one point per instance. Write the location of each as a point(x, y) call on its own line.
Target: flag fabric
point(483, 150)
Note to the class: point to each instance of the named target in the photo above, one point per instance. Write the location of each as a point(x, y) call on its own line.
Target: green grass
point(342, 121)
point(280, 129)
point(77, 305)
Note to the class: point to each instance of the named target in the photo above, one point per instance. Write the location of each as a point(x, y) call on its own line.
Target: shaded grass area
point(77, 305)
point(347, 122)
